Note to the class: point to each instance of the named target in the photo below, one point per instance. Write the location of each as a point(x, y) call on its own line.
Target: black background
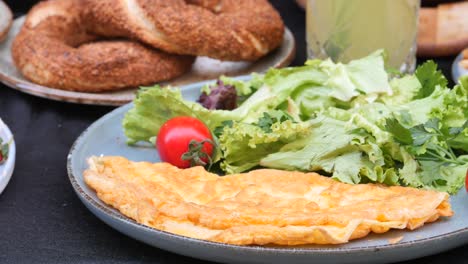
point(41, 218)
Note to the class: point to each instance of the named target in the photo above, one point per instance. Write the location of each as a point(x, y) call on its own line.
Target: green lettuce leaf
point(368, 74)
point(347, 121)
point(455, 115)
point(327, 138)
point(349, 156)
point(154, 106)
point(335, 84)
point(311, 100)
point(243, 144)
point(362, 76)
point(404, 90)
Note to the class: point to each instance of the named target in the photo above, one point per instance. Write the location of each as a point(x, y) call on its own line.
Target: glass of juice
point(344, 30)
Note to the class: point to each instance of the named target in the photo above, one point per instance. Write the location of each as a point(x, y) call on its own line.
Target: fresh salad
point(356, 122)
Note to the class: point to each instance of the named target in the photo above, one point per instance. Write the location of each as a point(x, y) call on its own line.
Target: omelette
point(259, 207)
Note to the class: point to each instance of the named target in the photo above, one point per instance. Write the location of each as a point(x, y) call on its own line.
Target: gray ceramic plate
point(203, 69)
point(6, 169)
point(457, 70)
point(105, 137)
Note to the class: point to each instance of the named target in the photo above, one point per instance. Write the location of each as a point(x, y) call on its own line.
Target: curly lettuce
point(348, 121)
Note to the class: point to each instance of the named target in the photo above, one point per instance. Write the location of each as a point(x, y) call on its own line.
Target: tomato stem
point(196, 155)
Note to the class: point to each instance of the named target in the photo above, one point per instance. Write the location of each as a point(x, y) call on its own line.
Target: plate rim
point(11, 161)
point(106, 99)
point(298, 250)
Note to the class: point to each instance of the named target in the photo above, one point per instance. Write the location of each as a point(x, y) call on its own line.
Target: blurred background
point(293, 15)
point(22, 6)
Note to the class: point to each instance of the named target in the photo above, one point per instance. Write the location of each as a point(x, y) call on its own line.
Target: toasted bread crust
point(223, 29)
point(55, 49)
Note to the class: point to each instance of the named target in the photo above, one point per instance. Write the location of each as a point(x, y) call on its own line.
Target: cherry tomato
point(466, 180)
point(175, 136)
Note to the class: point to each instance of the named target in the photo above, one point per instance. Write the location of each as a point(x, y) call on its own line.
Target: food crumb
point(395, 239)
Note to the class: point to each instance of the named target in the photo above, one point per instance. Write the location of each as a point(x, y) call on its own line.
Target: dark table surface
point(41, 218)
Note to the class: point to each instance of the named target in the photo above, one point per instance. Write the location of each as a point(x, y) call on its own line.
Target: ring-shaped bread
point(55, 49)
point(231, 30)
point(6, 18)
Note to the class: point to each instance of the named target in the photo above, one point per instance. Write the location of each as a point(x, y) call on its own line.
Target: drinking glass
point(344, 30)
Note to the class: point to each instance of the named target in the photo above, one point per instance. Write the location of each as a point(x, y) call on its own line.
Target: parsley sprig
point(268, 119)
point(426, 141)
point(429, 77)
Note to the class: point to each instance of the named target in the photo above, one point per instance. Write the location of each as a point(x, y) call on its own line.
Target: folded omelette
point(260, 207)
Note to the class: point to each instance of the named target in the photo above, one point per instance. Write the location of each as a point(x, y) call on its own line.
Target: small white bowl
point(6, 169)
point(457, 70)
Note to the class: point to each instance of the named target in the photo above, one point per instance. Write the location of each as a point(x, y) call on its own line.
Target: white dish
point(6, 169)
point(457, 70)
